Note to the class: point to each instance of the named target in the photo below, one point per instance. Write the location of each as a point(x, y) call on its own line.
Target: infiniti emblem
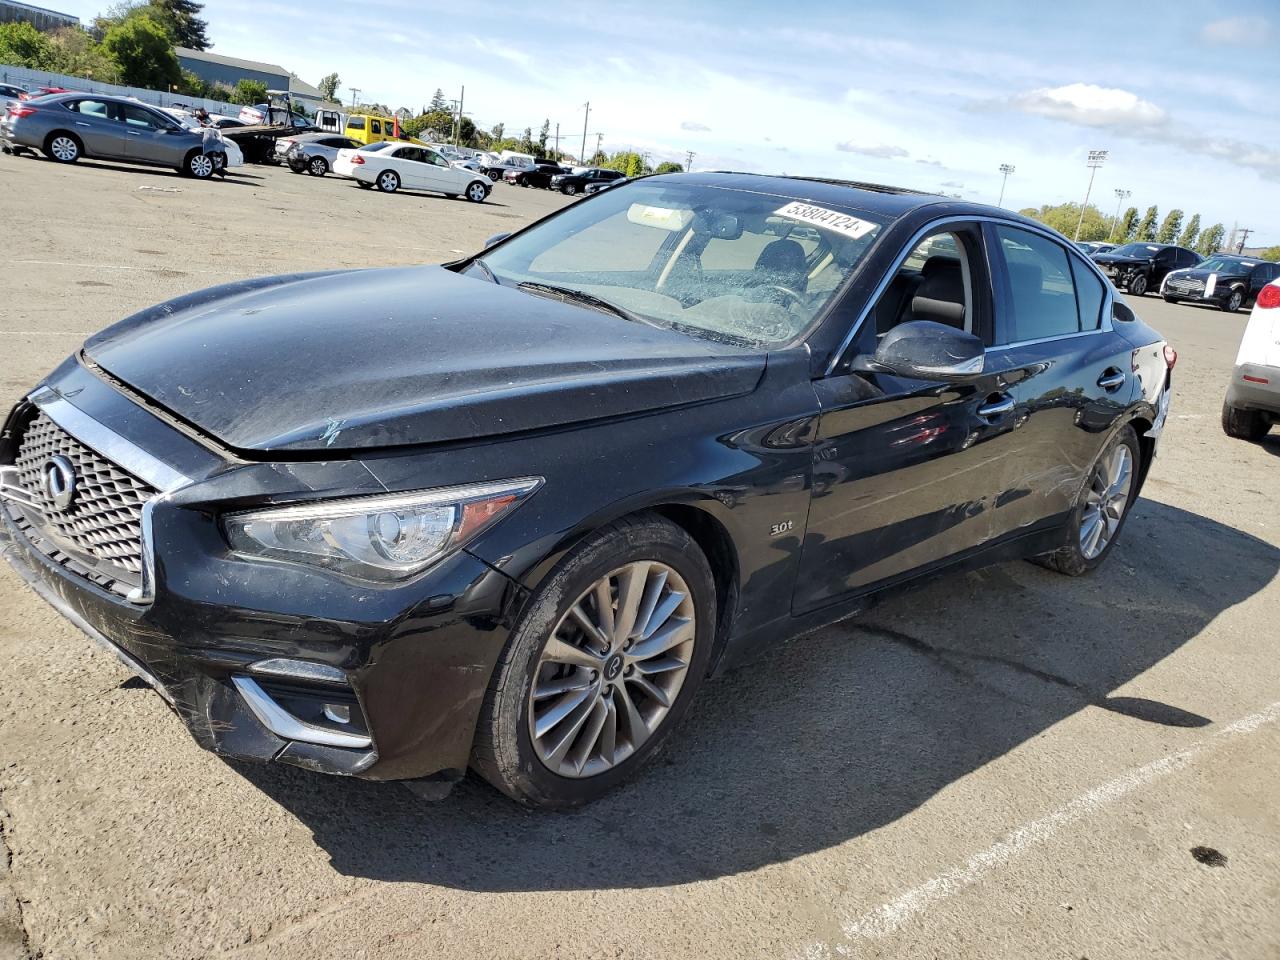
point(58, 477)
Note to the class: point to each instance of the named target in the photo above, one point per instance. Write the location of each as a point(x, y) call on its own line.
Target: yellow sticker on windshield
point(827, 219)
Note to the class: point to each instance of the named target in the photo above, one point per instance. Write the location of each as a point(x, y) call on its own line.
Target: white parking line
point(891, 916)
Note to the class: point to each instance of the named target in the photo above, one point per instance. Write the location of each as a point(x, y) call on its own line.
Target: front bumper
point(1255, 387)
point(413, 659)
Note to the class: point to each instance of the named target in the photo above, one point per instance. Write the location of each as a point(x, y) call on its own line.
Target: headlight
point(383, 537)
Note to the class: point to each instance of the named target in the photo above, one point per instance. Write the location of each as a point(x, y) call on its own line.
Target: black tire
point(1138, 285)
point(1244, 424)
point(1234, 301)
point(1069, 559)
point(297, 169)
point(199, 165)
point(63, 147)
point(477, 192)
point(317, 166)
point(388, 181)
point(569, 189)
point(1170, 299)
point(493, 175)
point(503, 752)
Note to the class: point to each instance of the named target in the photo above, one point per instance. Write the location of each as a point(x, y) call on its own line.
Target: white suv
point(1253, 396)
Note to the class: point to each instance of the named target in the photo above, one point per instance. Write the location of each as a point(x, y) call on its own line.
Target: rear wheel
point(1244, 424)
point(1138, 285)
point(603, 663)
point(318, 167)
point(63, 147)
point(493, 175)
point(569, 189)
point(388, 181)
point(1234, 302)
point(1101, 507)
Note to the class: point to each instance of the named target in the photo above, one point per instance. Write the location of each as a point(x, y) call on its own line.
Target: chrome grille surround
point(1186, 286)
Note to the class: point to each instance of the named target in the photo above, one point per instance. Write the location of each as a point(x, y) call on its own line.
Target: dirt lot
point(1005, 764)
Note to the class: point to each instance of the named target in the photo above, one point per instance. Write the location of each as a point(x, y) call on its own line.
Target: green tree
point(144, 52)
point(193, 86)
point(543, 134)
point(1063, 217)
point(669, 166)
point(526, 140)
point(1189, 234)
point(1211, 240)
point(1271, 254)
point(328, 86)
point(22, 45)
point(438, 102)
point(76, 53)
point(1128, 226)
point(248, 93)
point(1147, 228)
point(499, 129)
point(181, 20)
point(628, 162)
point(1168, 232)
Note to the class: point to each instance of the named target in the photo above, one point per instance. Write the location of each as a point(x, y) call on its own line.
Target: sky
point(928, 94)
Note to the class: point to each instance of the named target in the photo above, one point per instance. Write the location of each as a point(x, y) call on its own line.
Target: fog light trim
point(288, 727)
point(299, 670)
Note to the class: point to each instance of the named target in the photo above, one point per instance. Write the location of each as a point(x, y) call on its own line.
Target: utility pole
point(1121, 197)
point(582, 159)
point(1006, 169)
point(355, 92)
point(599, 138)
point(1244, 237)
point(688, 161)
point(1096, 159)
point(457, 127)
point(557, 142)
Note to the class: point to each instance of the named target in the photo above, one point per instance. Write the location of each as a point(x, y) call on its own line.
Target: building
point(38, 17)
point(216, 68)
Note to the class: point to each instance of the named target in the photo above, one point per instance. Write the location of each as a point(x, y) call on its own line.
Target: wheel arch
point(63, 133)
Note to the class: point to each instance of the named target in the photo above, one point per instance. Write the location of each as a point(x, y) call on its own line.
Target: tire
point(1233, 302)
point(1244, 424)
point(317, 166)
point(1170, 299)
point(493, 175)
point(297, 169)
point(1073, 559)
point(388, 181)
point(63, 147)
point(199, 165)
point(476, 192)
point(1138, 285)
point(569, 189)
point(505, 752)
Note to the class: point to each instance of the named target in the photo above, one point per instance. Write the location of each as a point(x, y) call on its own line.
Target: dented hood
point(376, 358)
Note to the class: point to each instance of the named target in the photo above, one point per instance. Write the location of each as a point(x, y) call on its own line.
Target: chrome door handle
point(81, 123)
point(1112, 380)
point(996, 408)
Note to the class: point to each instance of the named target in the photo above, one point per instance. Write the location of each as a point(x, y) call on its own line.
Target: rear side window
point(1042, 295)
point(1090, 294)
point(375, 126)
point(92, 108)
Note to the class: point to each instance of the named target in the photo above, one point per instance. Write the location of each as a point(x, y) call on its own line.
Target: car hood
point(410, 355)
point(1199, 273)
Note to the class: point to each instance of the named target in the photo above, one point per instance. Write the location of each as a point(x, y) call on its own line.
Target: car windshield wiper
point(582, 297)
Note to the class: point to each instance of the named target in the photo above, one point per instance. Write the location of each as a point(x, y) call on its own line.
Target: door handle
point(996, 408)
point(81, 123)
point(1111, 380)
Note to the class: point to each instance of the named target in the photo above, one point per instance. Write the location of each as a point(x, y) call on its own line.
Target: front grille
point(1186, 286)
point(99, 534)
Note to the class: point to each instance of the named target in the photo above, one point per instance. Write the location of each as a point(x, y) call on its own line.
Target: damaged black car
point(509, 513)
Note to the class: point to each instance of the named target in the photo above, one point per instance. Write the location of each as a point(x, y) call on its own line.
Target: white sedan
point(391, 164)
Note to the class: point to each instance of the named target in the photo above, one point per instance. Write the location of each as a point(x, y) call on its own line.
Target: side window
point(1165, 257)
point(409, 153)
point(1186, 258)
point(355, 123)
point(935, 283)
point(140, 119)
point(1042, 296)
point(375, 126)
point(93, 108)
point(434, 158)
point(1090, 295)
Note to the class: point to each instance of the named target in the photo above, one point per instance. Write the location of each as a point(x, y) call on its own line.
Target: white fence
point(31, 79)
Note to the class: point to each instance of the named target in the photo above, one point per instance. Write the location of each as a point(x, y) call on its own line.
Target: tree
point(76, 53)
point(1188, 238)
point(628, 162)
point(328, 86)
point(142, 48)
point(1147, 228)
point(543, 134)
point(1064, 217)
point(1211, 240)
point(192, 86)
point(22, 45)
point(498, 130)
point(1271, 254)
point(182, 22)
point(438, 102)
point(1128, 226)
point(1168, 232)
point(248, 93)
point(669, 167)
point(526, 140)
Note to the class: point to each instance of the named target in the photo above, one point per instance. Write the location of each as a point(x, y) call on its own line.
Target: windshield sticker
point(827, 219)
point(665, 218)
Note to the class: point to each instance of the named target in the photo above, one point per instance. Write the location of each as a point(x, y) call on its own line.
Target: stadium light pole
point(1121, 197)
point(1006, 169)
point(1096, 159)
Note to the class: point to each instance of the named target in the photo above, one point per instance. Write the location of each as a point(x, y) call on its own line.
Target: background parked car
point(495, 169)
point(595, 186)
point(1252, 403)
point(413, 167)
point(66, 127)
point(9, 91)
point(1095, 246)
point(571, 183)
point(1224, 281)
point(1139, 267)
point(315, 153)
point(539, 175)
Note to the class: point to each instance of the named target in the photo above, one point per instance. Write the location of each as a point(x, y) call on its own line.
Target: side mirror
point(924, 350)
point(496, 238)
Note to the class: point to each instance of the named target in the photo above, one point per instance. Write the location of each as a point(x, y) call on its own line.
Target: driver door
point(908, 474)
point(148, 138)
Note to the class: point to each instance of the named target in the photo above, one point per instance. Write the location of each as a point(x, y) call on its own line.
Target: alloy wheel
point(318, 167)
point(611, 669)
point(476, 192)
point(201, 166)
point(64, 149)
point(1233, 304)
point(388, 182)
point(1106, 501)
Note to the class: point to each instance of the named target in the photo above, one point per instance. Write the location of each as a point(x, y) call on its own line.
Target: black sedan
point(1223, 281)
point(539, 175)
point(1139, 267)
point(512, 518)
point(571, 183)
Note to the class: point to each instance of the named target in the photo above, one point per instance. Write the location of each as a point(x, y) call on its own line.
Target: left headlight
point(382, 537)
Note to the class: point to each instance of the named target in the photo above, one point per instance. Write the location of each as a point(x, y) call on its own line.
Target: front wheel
point(603, 663)
point(1234, 302)
point(1243, 424)
point(1138, 285)
point(388, 181)
point(318, 167)
point(569, 189)
point(1101, 508)
point(199, 165)
point(476, 192)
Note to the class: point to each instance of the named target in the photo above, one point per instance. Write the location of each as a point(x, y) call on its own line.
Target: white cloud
point(930, 163)
point(695, 127)
point(883, 151)
point(1089, 105)
point(1237, 32)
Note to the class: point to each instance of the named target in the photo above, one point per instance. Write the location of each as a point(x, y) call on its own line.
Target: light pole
point(688, 161)
point(582, 157)
point(1096, 159)
point(1121, 197)
point(355, 92)
point(1006, 169)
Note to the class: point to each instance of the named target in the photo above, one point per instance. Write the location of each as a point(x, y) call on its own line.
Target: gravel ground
point(1007, 763)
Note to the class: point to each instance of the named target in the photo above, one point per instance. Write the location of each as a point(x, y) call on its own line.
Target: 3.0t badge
point(58, 477)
